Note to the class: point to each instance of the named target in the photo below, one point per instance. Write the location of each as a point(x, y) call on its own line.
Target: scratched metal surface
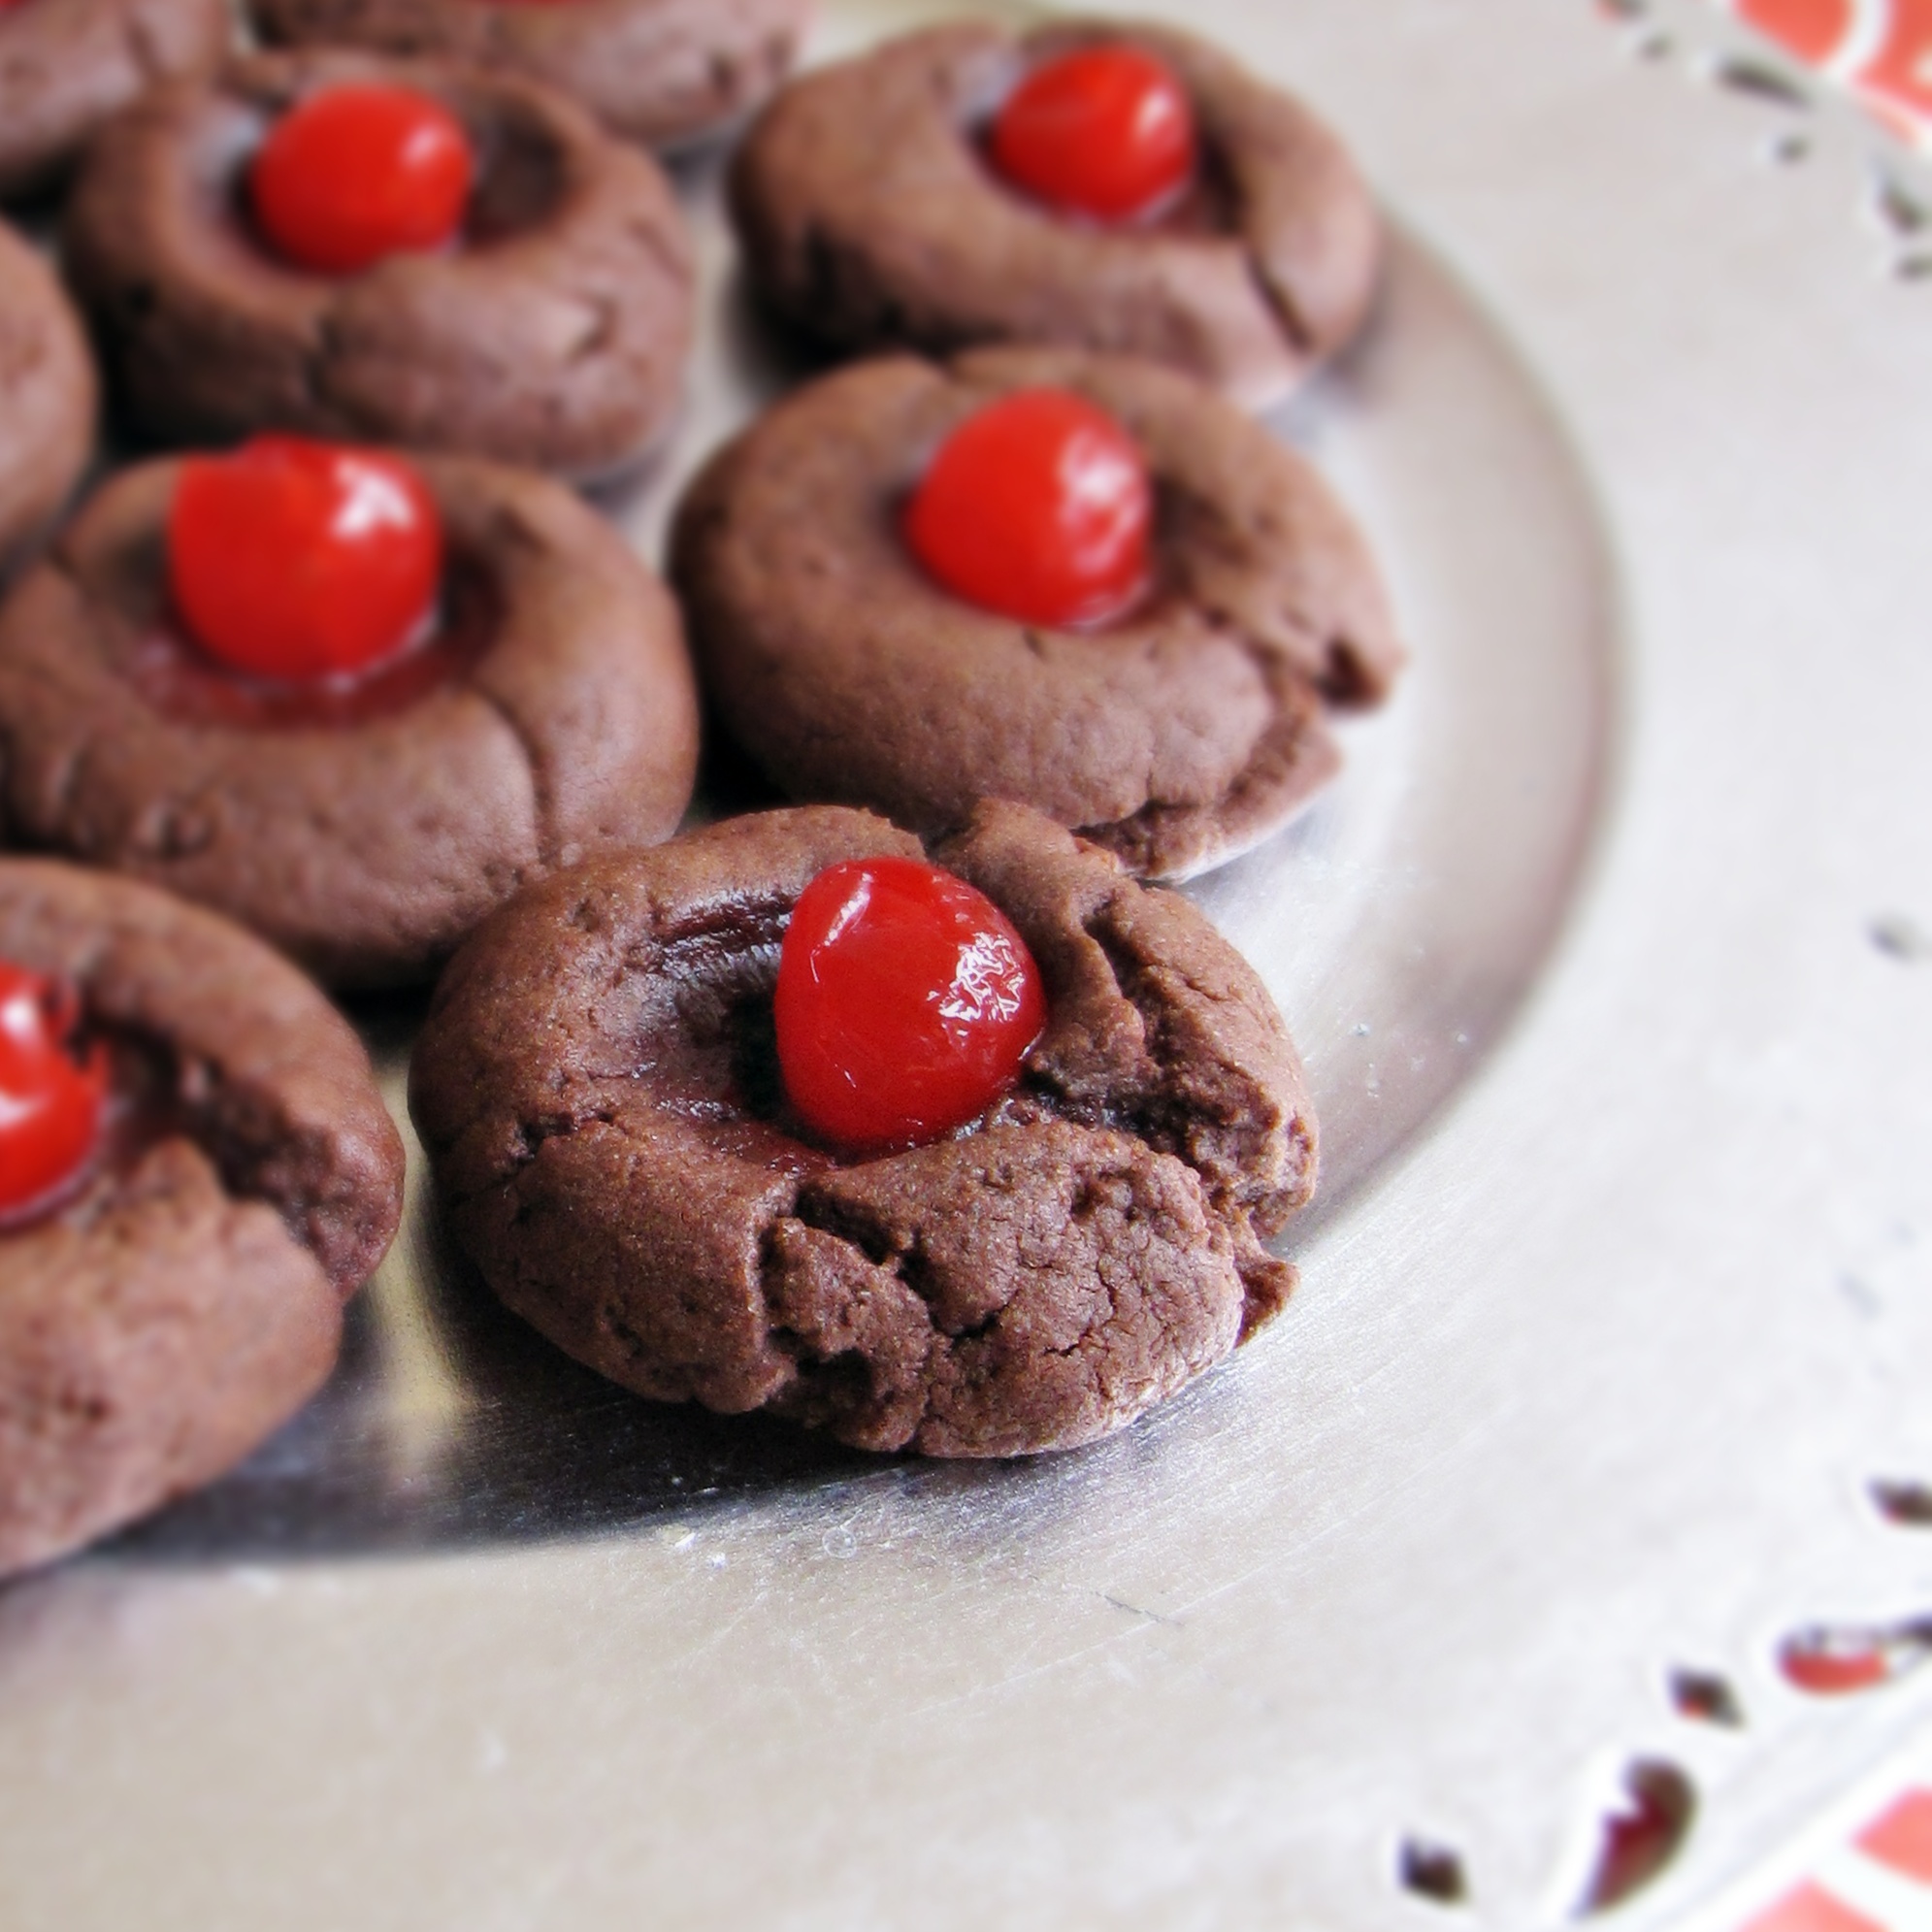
point(1586, 1379)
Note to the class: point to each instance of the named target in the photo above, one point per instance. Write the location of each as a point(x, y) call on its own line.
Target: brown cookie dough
point(364, 832)
point(661, 72)
point(869, 215)
point(598, 1091)
point(553, 334)
point(188, 1299)
point(66, 66)
point(47, 395)
point(1175, 735)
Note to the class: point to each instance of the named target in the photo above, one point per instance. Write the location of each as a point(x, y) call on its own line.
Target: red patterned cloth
point(1881, 50)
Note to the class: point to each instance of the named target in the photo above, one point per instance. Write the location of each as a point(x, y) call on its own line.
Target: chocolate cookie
point(662, 72)
point(1175, 735)
point(187, 1297)
point(871, 215)
point(553, 333)
point(66, 66)
point(47, 395)
point(597, 1088)
point(363, 829)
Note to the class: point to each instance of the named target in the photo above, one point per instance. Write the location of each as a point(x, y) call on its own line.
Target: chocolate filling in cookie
point(1176, 734)
point(177, 1293)
point(661, 72)
point(66, 66)
point(47, 395)
point(599, 1091)
point(363, 825)
point(872, 212)
point(551, 331)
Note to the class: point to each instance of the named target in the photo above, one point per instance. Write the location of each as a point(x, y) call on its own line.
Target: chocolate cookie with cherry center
point(661, 72)
point(196, 1169)
point(47, 395)
point(976, 1157)
point(67, 66)
point(401, 253)
point(1086, 583)
point(352, 700)
point(1122, 187)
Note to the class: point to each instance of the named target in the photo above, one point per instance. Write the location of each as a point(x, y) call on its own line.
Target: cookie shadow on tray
point(450, 1423)
point(768, 354)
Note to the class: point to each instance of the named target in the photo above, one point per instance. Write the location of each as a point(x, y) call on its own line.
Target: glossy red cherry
point(51, 1100)
point(1039, 507)
point(356, 172)
point(905, 1003)
point(1106, 132)
point(294, 559)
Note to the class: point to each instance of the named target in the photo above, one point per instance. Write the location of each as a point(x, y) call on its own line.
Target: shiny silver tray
point(1615, 1305)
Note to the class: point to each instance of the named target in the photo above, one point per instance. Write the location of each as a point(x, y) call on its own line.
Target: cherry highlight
point(356, 174)
point(51, 1095)
point(294, 559)
point(1105, 132)
point(905, 1004)
point(1038, 507)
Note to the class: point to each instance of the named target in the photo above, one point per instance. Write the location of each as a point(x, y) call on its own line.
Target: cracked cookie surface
point(47, 395)
point(555, 716)
point(661, 72)
point(553, 333)
point(188, 1299)
point(870, 216)
point(597, 1088)
point(67, 66)
point(1176, 735)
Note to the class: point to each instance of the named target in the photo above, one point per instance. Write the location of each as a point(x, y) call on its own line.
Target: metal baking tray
point(1610, 957)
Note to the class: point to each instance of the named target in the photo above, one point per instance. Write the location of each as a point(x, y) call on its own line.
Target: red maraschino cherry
point(905, 1004)
point(294, 559)
point(357, 173)
point(1104, 132)
point(1037, 508)
point(50, 1100)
